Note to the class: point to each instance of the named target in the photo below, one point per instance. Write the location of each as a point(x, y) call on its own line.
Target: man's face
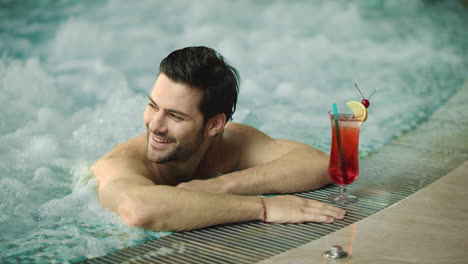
point(174, 123)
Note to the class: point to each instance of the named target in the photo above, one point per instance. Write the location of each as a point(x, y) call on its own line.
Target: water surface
point(74, 76)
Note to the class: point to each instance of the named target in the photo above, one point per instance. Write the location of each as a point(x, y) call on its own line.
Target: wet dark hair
point(205, 69)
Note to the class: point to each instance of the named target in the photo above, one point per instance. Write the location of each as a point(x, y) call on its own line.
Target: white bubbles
point(79, 39)
point(14, 208)
point(13, 194)
point(43, 176)
point(284, 89)
point(41, 147)
point(25, 86)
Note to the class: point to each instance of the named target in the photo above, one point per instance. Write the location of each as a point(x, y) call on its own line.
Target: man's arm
point(125, 187)
point(139, 202)
point(267, 165)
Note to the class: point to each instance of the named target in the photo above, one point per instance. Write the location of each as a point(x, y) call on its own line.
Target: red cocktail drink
point(343, 167)
point(349, 134)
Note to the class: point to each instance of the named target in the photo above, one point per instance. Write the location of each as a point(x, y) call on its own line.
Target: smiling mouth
point(158, 142)
point(161, 140)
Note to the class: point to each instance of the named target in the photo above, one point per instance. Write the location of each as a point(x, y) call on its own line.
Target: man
point(163, 180)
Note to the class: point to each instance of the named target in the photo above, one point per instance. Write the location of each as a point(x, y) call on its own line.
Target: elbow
point(130, 212)
point(137, 213)
point(133, 217)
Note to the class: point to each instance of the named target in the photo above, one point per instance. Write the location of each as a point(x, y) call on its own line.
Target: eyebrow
point(171, 110)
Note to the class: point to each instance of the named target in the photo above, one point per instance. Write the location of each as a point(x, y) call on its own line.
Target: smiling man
point(194, 169)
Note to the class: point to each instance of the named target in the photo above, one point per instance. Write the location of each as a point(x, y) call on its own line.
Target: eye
point(150, 104)
point(176, 117)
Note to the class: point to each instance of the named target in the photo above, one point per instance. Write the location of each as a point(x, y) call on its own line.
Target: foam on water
point(74, 76)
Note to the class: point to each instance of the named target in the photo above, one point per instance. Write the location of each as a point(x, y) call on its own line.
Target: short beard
point(181, 152)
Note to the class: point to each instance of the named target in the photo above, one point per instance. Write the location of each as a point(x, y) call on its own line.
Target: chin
point(154, 157)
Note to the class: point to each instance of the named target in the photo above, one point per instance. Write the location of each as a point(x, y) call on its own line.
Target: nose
point(158, 124)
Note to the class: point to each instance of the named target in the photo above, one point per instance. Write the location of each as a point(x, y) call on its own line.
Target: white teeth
point(161, 140)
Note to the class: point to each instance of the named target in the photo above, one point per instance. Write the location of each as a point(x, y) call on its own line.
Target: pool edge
point(349, 236)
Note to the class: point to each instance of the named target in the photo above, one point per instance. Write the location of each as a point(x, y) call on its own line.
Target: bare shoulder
point(242, 134)
point(241, 130)
point(125, 161)
point(254, 147)
point(239, 137)
point(134, 148)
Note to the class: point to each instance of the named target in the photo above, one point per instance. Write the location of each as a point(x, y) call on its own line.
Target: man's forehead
point(169, 93)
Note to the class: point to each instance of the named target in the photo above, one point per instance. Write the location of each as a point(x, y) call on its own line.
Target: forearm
point(160, 207)
point(300, 170)
point(166, 208)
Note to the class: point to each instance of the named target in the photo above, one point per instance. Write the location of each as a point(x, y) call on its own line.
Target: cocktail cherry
point(365, 101)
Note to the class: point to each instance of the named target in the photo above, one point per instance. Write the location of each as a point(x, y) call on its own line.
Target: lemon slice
point(359, 110)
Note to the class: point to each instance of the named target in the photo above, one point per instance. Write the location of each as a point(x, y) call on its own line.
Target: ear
point(216, 124)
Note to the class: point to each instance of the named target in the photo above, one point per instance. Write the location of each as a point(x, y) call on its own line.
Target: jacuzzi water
point(74, 76)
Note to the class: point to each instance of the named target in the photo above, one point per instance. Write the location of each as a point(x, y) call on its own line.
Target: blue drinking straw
point(338, 139)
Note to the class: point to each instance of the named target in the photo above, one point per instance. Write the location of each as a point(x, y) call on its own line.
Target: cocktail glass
point(343, 167)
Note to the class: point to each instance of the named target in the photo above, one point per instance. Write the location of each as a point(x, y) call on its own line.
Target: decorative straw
point(338, 139)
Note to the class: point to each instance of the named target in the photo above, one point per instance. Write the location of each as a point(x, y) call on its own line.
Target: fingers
point(321, 215)
point(210, 185)
point(293, 209)
point(187, 185)
point(328, 212)
point(314, 211)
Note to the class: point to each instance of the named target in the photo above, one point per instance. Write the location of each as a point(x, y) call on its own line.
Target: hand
point(215, 185)
point(294, 209)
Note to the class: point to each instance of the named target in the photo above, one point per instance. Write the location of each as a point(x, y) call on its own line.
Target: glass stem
point(342, 190)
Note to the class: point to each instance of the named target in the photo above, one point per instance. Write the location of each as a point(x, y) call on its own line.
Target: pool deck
point(429, 226)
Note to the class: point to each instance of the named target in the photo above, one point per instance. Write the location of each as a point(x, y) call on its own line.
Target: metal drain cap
point(336, 252)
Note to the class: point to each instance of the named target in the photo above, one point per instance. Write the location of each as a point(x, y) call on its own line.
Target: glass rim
point(346, 112)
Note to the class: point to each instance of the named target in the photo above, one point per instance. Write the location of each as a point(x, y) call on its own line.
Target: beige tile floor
point(430, 226)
